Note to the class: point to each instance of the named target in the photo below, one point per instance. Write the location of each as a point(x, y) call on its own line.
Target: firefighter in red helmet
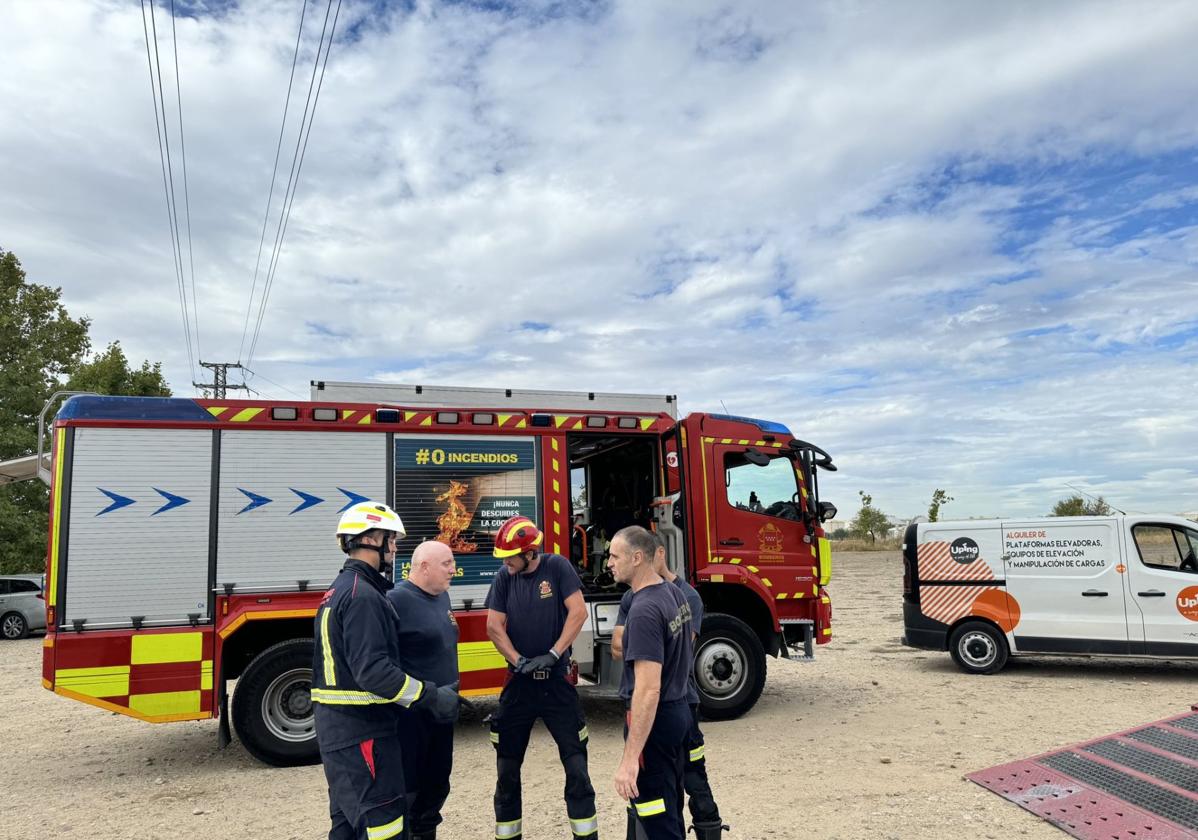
point(534, 613)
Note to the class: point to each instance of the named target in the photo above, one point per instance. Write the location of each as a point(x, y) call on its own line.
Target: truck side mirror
point(756, 458)
point(827, 511)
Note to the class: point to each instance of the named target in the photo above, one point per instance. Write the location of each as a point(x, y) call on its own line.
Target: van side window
point(1163, 547)
point(767, 490)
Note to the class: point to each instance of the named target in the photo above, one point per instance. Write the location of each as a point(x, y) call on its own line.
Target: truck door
point(758, 512)
point(1162, 574)
point(1066, 579)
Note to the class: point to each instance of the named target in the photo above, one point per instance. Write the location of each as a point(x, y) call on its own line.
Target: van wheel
point(979, 648)
point(14, 626)
point(729, 667)
point(272, 706)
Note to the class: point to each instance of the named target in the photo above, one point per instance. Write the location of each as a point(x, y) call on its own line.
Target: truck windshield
point(768, 490)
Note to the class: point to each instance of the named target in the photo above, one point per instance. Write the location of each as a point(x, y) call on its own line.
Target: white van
point(1112, 585)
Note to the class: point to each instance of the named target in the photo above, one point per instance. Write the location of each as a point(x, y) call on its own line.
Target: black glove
point(538, 663)
point(440, 702)
point(520, 663)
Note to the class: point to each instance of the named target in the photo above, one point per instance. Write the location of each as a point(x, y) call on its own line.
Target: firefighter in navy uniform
point(535, 610)
point(358, 683)
point(657, 660)
point(428, 648)
point(705, 814)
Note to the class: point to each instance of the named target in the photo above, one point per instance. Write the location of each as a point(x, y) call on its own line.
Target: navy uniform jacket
point(357, 677)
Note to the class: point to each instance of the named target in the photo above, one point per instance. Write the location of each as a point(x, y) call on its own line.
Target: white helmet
point(367, 516)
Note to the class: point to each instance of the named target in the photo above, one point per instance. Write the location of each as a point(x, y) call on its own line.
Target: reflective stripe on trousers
point(383, 832)
point(586, 827)
point(511, 828)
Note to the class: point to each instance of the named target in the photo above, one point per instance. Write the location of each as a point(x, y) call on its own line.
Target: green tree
point(109, 373)
point(1077, 506)
point(939, 499)
point(40, 346)
point(869, 521)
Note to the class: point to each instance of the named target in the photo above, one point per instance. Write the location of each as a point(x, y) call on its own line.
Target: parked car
point(22, 605)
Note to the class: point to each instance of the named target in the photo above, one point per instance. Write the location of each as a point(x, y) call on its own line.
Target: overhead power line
point(297, 163)
point(273, 174)
point(168, 183)
point(195, 310)
point(220, 379)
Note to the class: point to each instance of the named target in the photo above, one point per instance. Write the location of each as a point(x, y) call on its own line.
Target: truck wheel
point(14, 626)
point(729, 667)
point(272, 706)
point(979, 648)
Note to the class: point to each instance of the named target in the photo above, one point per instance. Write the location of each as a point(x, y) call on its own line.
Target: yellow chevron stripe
point(246, 414)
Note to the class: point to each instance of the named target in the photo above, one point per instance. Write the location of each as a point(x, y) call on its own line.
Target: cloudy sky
point(955, 244)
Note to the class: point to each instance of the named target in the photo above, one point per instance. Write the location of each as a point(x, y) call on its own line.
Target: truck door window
point(1172, 549)
point(768, 490)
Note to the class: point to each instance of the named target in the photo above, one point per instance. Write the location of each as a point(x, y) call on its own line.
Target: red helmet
point(516, 536)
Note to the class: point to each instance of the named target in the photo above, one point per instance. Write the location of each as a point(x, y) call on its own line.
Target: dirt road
point(871, 740)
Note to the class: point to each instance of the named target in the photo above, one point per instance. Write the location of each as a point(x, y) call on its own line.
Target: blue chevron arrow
point(172, 501)
point(255, 501)
point(353, 497)
point(309, 500)
point(118, 501)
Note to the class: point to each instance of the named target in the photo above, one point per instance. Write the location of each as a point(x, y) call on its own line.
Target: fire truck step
point(1141, 783)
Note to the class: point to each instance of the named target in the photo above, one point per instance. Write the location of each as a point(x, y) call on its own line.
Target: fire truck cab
point(191, 539)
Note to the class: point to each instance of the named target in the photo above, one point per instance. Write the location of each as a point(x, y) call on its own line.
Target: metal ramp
point(1141, 784)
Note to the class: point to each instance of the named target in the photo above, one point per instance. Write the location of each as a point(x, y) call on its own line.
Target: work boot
point(709, 830)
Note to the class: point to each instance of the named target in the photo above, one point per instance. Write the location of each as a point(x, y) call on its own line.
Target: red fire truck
point(191, 539)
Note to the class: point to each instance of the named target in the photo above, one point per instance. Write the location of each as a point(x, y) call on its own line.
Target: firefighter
point(359, 685)
point(705, 814)
point(428, 648)
point(535, 610)
point(658, 657)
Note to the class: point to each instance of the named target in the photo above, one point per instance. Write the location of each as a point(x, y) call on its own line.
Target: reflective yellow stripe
point(494, 737)
point(697, 753)
point(382, 832)
point(151, 649)
point(508, 829)
point(479, 656)
point(95, 682)
point(52, 583)
point(330, 673)
point(825, 561)
point(346, 697)
point(585, 827)
point(246, 414)
point(206, 675)
point(583, 734)
point(650, 808)
point(166, 703)
point(410, 692)
point(216, 411)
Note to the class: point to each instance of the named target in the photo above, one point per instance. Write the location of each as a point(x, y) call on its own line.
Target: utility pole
point(220, 377)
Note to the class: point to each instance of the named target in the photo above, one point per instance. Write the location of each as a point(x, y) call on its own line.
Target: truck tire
point(979, 648)
point(729, 667)
point(272, 706)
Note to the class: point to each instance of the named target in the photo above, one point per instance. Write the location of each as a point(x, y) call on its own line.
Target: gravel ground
point(870, 740)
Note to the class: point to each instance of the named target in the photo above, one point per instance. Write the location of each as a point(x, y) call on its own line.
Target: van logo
point(964, 550)
point(1187, 603)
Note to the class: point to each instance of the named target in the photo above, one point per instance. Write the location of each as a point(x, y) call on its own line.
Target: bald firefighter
point(359, 684)
point(535, 611)
point(428, 647)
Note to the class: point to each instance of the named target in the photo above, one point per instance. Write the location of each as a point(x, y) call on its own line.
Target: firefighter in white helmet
point(358, 683)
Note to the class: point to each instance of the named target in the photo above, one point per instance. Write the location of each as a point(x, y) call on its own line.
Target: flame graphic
point(455, 519)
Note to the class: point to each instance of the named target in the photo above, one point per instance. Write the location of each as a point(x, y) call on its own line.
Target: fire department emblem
point(546, 589)
point(769, 539)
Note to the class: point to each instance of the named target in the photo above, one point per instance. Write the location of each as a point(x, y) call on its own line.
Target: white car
point(22, 605)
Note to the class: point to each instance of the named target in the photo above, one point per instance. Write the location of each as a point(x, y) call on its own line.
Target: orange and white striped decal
point(946, 604)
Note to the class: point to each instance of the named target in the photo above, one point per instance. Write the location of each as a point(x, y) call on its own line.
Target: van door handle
point(1151, 593)
point(733, 541)
point(1093, 593)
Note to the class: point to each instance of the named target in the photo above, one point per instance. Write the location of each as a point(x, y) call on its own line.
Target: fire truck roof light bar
point(387, 415)
point(541, 420)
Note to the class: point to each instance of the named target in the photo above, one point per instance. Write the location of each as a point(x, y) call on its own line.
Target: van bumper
point(919, 631)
